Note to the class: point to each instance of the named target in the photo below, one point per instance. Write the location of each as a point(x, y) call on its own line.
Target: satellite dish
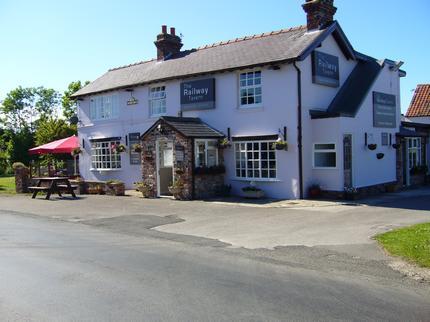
point(74, 120)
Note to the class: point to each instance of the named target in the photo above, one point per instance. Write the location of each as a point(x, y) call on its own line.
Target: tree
point(52, 129)
point(24, 107)
point(68, 103)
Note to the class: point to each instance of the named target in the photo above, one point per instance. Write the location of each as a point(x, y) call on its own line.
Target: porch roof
point(191, 127)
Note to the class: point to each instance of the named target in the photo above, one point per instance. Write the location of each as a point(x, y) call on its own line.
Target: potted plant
point(224, 143)
point(280, 145)
point(372, 146)
point(176, 189)
point(252, 192)
point(137, 148)
point(118, 148)
point(350, 193)
point(314, 191)
point(115, 187)
point(379, 156)
point(145, 188)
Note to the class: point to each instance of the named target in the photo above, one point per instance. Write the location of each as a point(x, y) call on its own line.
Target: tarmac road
point(52, 270)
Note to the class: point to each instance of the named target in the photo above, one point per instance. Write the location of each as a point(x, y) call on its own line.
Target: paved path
point(52, 270)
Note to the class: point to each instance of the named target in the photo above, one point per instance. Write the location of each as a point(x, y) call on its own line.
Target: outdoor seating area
point(50, 185)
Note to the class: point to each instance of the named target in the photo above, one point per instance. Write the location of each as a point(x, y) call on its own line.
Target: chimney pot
point(319, 13)
point(164, 29)
point(172, 31)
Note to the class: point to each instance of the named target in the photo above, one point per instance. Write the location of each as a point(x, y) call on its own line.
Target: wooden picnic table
point(55, 185)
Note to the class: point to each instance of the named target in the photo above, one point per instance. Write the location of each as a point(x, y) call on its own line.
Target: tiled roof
point(348, 100)
point(273, 47)
point(191, 127)
point(420, 104)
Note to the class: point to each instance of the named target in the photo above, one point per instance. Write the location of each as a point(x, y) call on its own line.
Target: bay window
point(104, 107)
point(206, 153)
point(250, 91)
point(324, 155)
point(157, 101)
point(103, 156)
point(255, 160)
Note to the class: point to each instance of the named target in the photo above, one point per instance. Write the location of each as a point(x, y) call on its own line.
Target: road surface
point(52, 270)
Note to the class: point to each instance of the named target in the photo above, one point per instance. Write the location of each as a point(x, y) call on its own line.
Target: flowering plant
point(118, 148)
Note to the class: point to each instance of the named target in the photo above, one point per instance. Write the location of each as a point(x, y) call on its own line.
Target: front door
point(165, 167)
point(347, 160)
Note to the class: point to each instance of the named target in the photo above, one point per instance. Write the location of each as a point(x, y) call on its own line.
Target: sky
point(51, 43)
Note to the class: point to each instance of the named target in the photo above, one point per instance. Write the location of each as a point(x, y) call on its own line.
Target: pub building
point(280, 111)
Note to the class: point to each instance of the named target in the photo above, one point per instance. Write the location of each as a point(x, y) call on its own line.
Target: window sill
point(252, 108)
point(325, 168)
point(257, 179)
point(104, 170)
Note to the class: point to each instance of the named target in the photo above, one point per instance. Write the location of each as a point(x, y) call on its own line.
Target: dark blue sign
point(325, 69)
point(198, 94)
point(384, 110)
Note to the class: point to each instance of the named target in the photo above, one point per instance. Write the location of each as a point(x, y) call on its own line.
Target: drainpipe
point(299, 126)
point(193, 175)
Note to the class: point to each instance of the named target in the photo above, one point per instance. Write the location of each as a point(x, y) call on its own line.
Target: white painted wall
point(279, 109)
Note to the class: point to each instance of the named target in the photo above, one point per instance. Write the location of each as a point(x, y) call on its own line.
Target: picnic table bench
point(54, 185)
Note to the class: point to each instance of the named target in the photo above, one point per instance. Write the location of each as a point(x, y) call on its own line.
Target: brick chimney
point(167, 44)
point(319, 13)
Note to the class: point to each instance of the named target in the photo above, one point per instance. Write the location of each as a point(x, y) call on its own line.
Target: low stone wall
point(363, 192)
point(207, 185)
point(418, 179)
point(22, 179)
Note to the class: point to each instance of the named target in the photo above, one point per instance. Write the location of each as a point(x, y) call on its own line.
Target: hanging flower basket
point(76, 151)
point(137, 148)
point(380, 156)
point(118, 148)
point(396, 146)
point(224, 143)
point(280, 145)
point(372, 146)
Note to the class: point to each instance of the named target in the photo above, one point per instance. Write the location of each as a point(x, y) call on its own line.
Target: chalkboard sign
point(325, 69)
point(384, 110)
point(135, 157)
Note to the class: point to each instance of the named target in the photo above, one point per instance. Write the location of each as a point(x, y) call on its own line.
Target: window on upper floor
point(104, 156)
point(157, 101)
point(324, 155)
point(250, 92)
point(206, 153)
point(104, 107)
point(255, 160)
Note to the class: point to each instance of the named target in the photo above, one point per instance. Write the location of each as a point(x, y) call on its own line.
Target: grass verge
point(7, 185)
point(411, 243)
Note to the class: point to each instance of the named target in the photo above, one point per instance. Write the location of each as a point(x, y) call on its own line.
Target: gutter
point(299, 127)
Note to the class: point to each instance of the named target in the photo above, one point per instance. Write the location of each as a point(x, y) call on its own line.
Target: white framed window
point(255, 160)
point(324, 155)
point(384, 138)
point(104, 107)
point(414, 152)
point(206, 153)
point(250, 91)
point(103, 157)
point(157, 100)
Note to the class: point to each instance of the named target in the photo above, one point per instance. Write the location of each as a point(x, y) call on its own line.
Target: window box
point(214, 170)
point(252, 192)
